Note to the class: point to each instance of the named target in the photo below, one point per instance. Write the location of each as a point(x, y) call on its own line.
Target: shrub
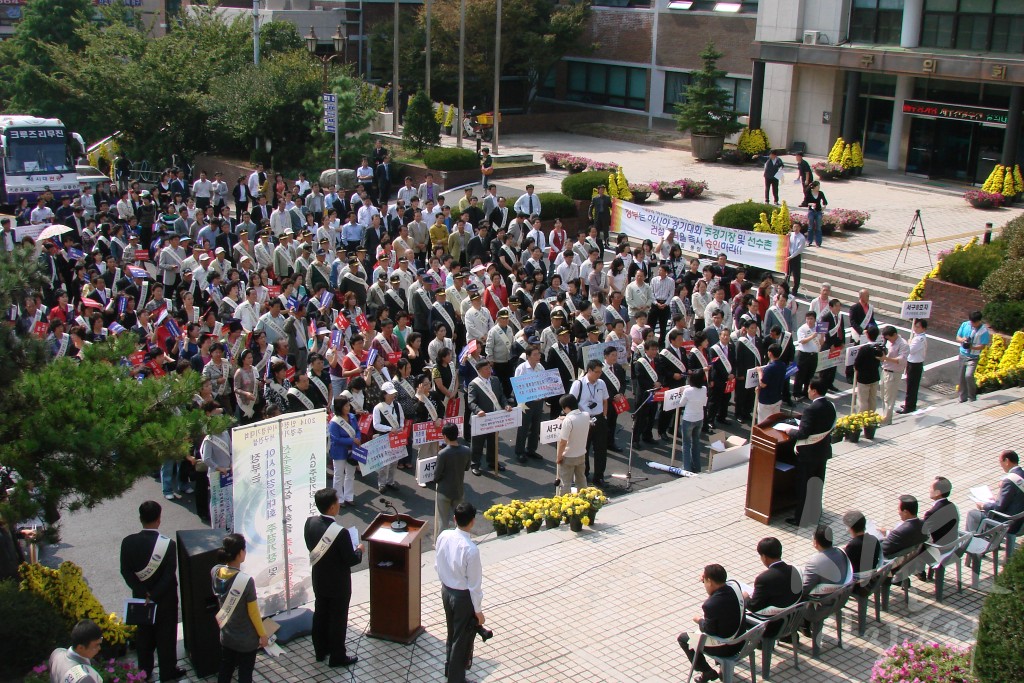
point(970, 267)
point(1005, 283)
point(555, 205)
point(999, 654)
point(30, 628)
point(450, 159)
point(741, 216)
point(1006, 316)
point(1013, 233)
point(421, 129)
point(581, 186)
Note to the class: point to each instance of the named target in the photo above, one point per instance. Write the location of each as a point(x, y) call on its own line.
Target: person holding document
point(148, 561)
point(241, 628)
point(332, 554)
point(1011, 495)
point(813, 449)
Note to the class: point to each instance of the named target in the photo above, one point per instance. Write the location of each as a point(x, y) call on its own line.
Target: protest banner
point(533, 386)
point(380, 453)
point(753, 378)
point(762, 250)
point(221, 507)
point(596, 351)
point(277, 465)
point(550, 430)
point(425, 469)
point(829, 358)
point(498, 421)
point(915, 310)
point(426, 432)
point(852, 352)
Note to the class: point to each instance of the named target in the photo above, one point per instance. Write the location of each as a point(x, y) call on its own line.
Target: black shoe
point(834, 389)
point(662, 436)
point(321, 658)
point(793, 520)
point(173, 675)
point(521, 459)
point(347, 661)
point(707, 677)
point(600, 482)
point(650, 439)
point(393, 486)
point(476, 471)
point(535, 456)
point(901, 411)
point(501, 468)
point(723, 421)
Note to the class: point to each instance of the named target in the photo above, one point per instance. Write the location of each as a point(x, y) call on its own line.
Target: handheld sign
point(142, 254)
point(753, 378)
point(550, 430)
point(911, 310)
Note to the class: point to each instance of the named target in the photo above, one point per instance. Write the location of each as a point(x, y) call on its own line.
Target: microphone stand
point(628, 476)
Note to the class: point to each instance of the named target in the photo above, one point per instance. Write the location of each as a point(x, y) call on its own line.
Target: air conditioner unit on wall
point(815, 38)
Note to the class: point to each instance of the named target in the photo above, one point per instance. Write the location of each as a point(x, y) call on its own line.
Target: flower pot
point(982, 203)
point(552, 523)
point(668, 193)
point(706, 147)
point(837, 437)
point(533, 528)
point(500, 531)
point(576, 524)
point(593, 517)
point(869, 432)
point(853, 437)
point(553, 165)
point(640, 197)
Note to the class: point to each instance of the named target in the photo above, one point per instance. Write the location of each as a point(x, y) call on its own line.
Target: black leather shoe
point(347, 661)
point(901, 410)
point(793, 520)
point(723, 421)
point(521, 459)
point(476, 471)
point(174, 675)
point(535, 456)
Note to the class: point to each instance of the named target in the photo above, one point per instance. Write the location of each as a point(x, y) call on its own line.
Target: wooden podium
point(394, 578)
point(771, 473)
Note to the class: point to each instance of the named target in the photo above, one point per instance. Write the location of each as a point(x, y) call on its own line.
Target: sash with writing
point(699, 355)
point(321, 548)
point(219, 443)
point(63, 348)
point(609, 372)
point(395, 298)
point(676, 361)
point(816, 438)
point(485, 386)
point(269, 321)
point(429, 405)
point(839, 323)
point(407, 387)
point(645, 363)
point(319, 383)
point(302, 398)
point(156, 558)
point(564, 357)
point(344, 424)
point(388, 413)
point(426, 298)
point(723, 357)
point(746, 341)
point(384, 344)
point(248, 406)
point(278, 389)
point(444, 314)
point(1015, 479)
point(868, 315)
point(79, 673)
point(232, 599)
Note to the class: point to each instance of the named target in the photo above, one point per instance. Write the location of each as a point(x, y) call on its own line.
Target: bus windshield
point(37, 150)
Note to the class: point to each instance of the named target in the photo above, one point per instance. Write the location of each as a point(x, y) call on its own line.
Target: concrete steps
point(848, 275)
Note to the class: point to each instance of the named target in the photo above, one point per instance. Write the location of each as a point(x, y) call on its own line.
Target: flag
point(136, 271)
point(76, 254)
point(341, 321)
point(293, 303)
point(160, 314)
point(122, 304)
point(470, 348)
point(370, 357)
point(335, 338)
point(116, 328)
point(326, 298)
point(172, 328)
point(91, 303)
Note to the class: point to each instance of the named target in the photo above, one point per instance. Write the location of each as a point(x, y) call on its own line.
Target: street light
point(338, 43)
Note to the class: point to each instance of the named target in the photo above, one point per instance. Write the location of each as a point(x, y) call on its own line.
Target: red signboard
point(142, 254)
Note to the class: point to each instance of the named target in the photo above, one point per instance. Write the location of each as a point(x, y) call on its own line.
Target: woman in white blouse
point(695, 398)
point(700, 300)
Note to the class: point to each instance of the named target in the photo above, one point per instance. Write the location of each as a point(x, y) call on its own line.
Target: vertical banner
point(221, 505)
point(759, 249)
point(278, 465)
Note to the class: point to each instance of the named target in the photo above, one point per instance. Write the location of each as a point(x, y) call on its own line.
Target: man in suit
point(382, 176)
point(148, 562)
point(601, 214)
point(647, 381)
point(834, 339)
point(614, 377)
point(332, 558)
point(449, 478)
point(561, 356)
point(863, 550)
point(828, 566)
point(672, 373)
point(777, 587)
point(428, 190)
point(485, 395)
point(771, 176)
point(1011, 495)
point(722, 617)
point(907, 533)
point(813, 449)
point(723, 367)
point(942, 520)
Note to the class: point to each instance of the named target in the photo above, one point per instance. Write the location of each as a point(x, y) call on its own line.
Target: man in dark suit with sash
point(813, 449)
point(331, 557)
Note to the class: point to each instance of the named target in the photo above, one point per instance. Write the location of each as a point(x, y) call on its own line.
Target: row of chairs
point(875, 583)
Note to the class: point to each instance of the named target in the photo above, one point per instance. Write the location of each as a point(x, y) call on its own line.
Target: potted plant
point(980, 199)
point(553, 159)
point(575, 164)
point(597, 500)
point(641, 191)
point(828, 170)
point(848, 219)
point(927, 661)
point(665, 190)
point(691, 189)
point(707, 112)
point(553, 513)
point(497, 515)
point(872, 421)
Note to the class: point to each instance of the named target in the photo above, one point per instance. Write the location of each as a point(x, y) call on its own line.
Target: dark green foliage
point(999, 655)
point(555, 205)
point(581, 186)
point(1005, 316)
point(30, 629)
point(708, 109)
point(970, 267)
point(741, 216)
point(1013, 233)
point(421, 129)
point(450, 159)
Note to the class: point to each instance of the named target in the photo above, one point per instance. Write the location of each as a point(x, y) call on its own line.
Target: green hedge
point(581, 186)
point(30, 628)
point(450, 159)
point(555, 205)
point(999, 655)
point(1007, 316)
point(742, 216)
point(970, 267)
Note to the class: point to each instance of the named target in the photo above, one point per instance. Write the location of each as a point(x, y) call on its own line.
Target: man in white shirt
point(718, 303)
point(639, 296)
point(663, 287)
point(893, 364)
point(528, 203)
point(457, 562)
point(915, 365)
point(571, 453)
point(537, 233)
point(202, 190)
point(808, 343)
point(43, 214)
point(248, 312)
point(797, 246)
point(592, 395)
point(528, 435)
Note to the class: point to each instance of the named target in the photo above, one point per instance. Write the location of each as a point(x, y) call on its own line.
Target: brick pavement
point(606, 604)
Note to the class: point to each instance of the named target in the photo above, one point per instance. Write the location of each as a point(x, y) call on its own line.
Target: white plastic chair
point(789, 619)
point(748, 642)
point(986, 541)
point(945, 555)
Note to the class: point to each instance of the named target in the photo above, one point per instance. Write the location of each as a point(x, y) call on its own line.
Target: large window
point(876, 21)
point(675, 91)
point(621, 3)
point(607, 84)
point(984, 25)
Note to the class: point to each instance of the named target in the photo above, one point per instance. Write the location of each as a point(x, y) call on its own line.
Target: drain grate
point(943, 388)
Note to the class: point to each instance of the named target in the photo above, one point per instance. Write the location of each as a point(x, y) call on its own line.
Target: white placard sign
point(916, 309)
point(753, 379)
point(498, 421)
point(380, 453)
point(425, 470)
point(852, 352)
point(550, 430)
point(673, 398)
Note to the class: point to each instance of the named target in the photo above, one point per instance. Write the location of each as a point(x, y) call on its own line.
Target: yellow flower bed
point(918, 291)
point(778, 224)
point(531, 514)
point(753, 141)
point(65, 588)
point(852, 424)
point(1001, 365)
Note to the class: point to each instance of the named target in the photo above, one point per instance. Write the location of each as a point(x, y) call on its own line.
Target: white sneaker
point(168, 496)
point(177, 496)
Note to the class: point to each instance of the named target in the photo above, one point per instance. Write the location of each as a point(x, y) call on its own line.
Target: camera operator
point(973, 336)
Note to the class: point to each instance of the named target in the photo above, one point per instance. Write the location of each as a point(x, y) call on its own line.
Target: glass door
point(952, 157)
point(922, 146)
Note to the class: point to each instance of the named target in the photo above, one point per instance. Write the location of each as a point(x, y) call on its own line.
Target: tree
point(421, 128)
point(79, 433)
point(355, 112)
point(279, 37)
point(708, 109)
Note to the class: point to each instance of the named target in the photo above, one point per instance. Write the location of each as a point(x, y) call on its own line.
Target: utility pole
point(497, 77)
point(394, 83)
point(256, 32)
point(428, 8)
point(462, 70)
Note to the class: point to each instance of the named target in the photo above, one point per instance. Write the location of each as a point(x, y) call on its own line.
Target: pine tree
point(708, 109)
point(420, 128)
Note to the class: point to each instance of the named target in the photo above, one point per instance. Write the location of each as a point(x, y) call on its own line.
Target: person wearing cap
point(443, 313)
point(388, 417)
point(353, 280)
point(478, 319)
point(420, 304)
point(220, 263)
point(376, 295)
point(485, 395)
point(394, 298)
point(263, 251)
point(498, 348)
point(528, 434)
point(283, 261)
point(318, 273)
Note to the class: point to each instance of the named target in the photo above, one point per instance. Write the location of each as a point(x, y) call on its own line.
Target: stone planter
point(668, 193)
point(706, 147)
point(640, 197)
point(983, 203)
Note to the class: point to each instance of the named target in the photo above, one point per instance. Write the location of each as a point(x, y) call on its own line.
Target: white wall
point(779, 20)
point(817, 90)
point(779, 85)
point(831, 17)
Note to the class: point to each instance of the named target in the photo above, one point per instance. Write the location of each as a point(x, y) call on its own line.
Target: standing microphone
point(398, 524)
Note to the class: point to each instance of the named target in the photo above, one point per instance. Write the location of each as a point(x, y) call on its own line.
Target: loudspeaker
point(197, 555)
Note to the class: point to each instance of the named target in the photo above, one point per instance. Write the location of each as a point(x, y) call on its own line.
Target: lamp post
point(497, 77)
point(462, 70)
point(338, 43)
point(428, 12)
point(396, 90)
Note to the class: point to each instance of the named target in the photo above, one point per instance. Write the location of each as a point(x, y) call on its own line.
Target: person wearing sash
point(722, 617)
point(485, 395)
point(331, 558)
point(445, 376)
point(834, 339)
point(861, 314)
point(592, 396)
point(320, 381)
point(808, 343)
point(343, 434)
point(218, 372)
point(813, 450)
point(672, 371)
point(647, 382)
point(388, 417)
point(528, 434)
point(386, 343)
point(149, 567)
point(275, 390)
point(58, 342)
point(74, 664)
point(427, 408)
point(405, 382)
point(561, 356)
point(498, 347)
point(748, 356)
point(723, 368)
point(241, 628)
point(614, 378)
point(1011, 497)
point(298, 395)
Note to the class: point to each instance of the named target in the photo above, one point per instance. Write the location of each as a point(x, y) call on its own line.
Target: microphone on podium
point(398, 524)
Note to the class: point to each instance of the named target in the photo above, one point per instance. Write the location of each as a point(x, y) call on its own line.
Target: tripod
point(628, 476)
point(911, 232)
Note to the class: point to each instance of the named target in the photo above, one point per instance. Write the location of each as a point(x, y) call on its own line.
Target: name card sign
point(911, 310)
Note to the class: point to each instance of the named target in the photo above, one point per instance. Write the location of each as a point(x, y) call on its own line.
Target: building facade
point(153, 13)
